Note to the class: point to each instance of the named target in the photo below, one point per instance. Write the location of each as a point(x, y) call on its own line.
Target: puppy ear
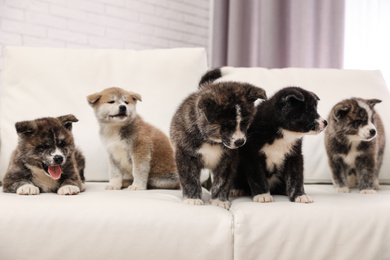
point(340, 111)
point(25, 128)
point(206, 103)
point(372, 102)
point(294, 95)
point(67, 121)
point(254, 93)
point(92, 99)
point(135, 96)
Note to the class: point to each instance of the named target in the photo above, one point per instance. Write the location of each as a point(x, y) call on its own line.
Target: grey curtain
point(278, 33)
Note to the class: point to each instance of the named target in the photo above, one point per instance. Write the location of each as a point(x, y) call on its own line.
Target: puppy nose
point(58, 159)
point(325, 123)
point(122, 108)
point(372, 132)
point(239, 142)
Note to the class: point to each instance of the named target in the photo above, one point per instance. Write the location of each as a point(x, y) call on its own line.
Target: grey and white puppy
point(206, 131)
point(355, 142)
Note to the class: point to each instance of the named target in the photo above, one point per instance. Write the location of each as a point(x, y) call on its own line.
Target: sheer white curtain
point(367, 36)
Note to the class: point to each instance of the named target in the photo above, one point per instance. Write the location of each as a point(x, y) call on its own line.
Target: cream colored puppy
point(135, 148)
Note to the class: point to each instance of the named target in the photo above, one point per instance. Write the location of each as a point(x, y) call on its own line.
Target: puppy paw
point(237, 193)
point(377, 187)
point(220, 203)
point(304, 199)
point(344, 189)
point(193, 201)
point(135, 187)
point(27, 189)
point(68, 190)
point(263, 198)
point(367, 192)
point(113, 187)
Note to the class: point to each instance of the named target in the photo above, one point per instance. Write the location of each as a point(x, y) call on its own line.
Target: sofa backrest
point(41, 82)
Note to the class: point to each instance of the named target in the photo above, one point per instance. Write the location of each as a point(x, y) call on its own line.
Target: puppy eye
point(215, 129)
point(111, 102)
point(231, 123)
point(61, 144)
point(244, 122)
point(44, 146)
point(357, 123)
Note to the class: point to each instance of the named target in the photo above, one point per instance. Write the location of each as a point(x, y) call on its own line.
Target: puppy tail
point(166, 181)
point(210, 77)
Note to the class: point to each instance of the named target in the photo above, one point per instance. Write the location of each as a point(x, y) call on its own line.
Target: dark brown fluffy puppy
point(272, 160)
point(45, 159)
point(205, 132)
point(355, 143)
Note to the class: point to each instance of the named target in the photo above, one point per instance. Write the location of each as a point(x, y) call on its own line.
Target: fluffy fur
point(45, 159)
point(272, 160)
point(206, 130)
point(355, 142)
point(135, 148)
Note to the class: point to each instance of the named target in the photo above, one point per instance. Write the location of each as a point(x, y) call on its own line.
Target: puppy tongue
point(55, 172)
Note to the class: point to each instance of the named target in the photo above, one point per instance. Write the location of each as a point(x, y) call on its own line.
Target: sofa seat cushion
point(102, 224)
point(335, 226)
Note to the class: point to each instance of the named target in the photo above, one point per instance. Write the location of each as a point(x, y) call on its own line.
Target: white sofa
point(155, 224)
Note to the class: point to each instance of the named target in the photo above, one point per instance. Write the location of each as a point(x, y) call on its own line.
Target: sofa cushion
point(102, 224)
point(41, 82)
point(331, 85)
point(335, 226)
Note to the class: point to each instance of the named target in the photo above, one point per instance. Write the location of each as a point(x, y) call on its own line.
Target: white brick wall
point(130, 24)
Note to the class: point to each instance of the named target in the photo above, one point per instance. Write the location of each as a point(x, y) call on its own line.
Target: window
point(367, 36)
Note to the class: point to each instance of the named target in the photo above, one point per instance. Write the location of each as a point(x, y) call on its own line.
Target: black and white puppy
point(206, 130)
point(355, 143)
point(272, 160)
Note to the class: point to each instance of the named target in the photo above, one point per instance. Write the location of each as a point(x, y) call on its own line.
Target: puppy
point(206, 131)
point(355, 142)
point(272, 160)
point(135, 148)
point(45, 159)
